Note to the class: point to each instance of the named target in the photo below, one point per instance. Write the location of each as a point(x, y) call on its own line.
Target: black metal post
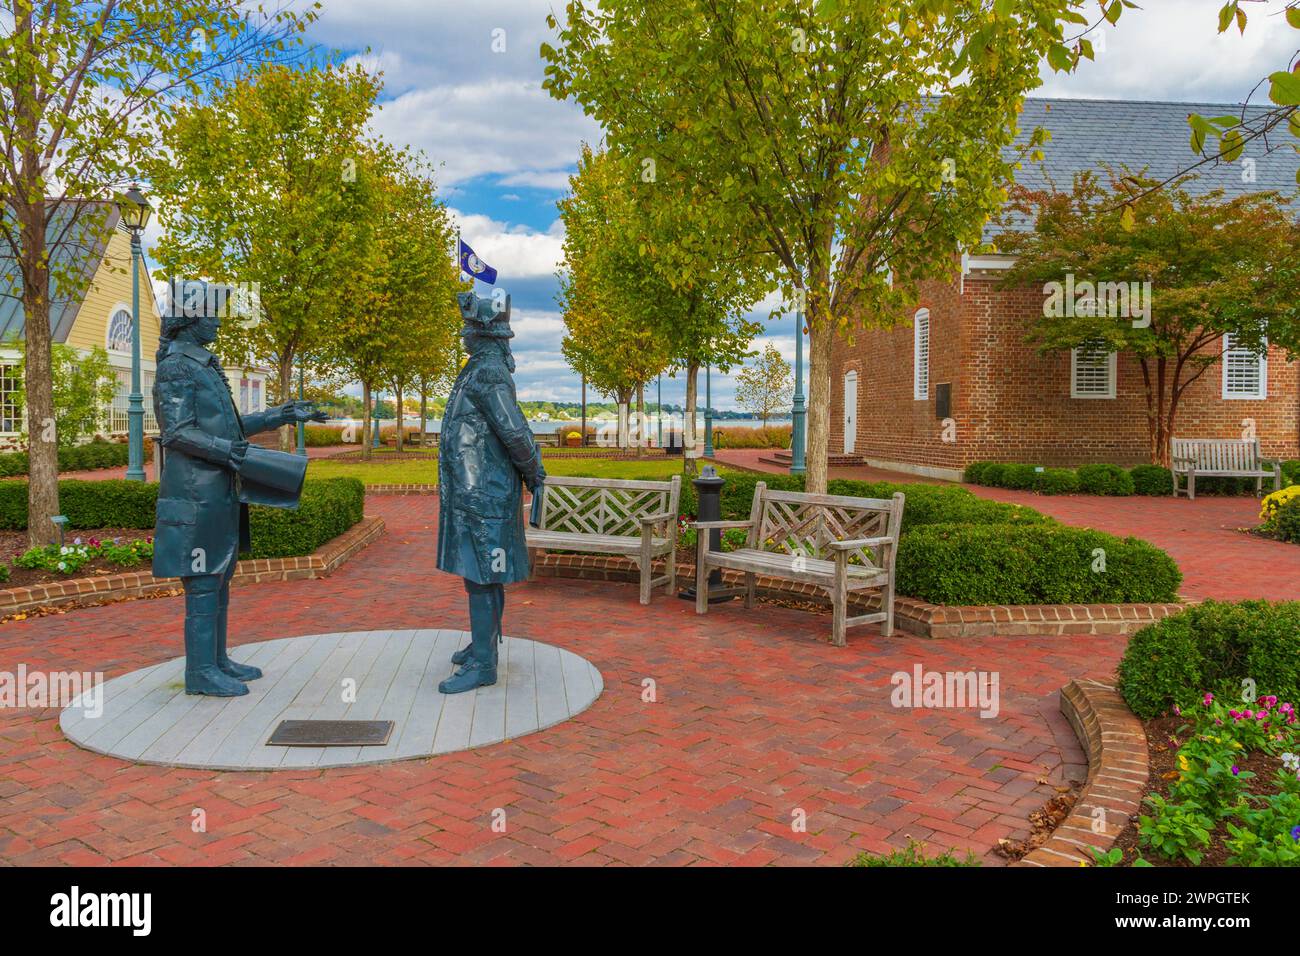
point(708, 495)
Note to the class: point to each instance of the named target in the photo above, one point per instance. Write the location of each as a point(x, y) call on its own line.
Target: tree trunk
point(640, 420)
point(365, 421)
point(397, 394)
point(42, 437)
point(424, 411)
point(285, 376)
point(688, 417)
point(821, 340)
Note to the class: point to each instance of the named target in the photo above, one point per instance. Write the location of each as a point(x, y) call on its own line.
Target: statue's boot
point(227, 666)
point(498, 593)
point(480, 667)
point(202, 675)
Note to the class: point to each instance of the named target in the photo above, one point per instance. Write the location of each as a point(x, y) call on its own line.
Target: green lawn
point(426, 471)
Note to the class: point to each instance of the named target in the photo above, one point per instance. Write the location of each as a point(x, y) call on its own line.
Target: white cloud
point(524, 252)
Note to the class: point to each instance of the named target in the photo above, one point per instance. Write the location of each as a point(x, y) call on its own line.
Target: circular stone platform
point(148, 718)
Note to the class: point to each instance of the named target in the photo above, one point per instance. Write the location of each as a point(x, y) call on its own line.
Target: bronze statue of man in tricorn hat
point(208, 475)
point(486, 454)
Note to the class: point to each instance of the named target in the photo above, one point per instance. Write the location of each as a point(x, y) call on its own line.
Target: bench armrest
point(1184, 461)
point(719, 525)
point(649, 520)
point(852, 544)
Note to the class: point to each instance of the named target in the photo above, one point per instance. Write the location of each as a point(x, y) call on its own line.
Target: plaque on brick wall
point(943, 400)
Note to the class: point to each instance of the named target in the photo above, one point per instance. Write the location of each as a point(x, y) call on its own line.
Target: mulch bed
point(14, 543)
point(1164, 755)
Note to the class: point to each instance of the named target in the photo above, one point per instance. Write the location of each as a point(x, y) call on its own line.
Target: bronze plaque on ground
point(331, 733)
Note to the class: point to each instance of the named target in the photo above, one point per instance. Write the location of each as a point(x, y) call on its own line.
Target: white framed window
point(1245, 373)
point(118, 336)
point(10, 386)
point(921, 355)
point(1092, 372)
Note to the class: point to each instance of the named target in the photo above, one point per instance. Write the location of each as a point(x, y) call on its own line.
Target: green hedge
point(323, 436)
point(1213, 647)
point(1152, 480)
point(1104, 480)
point(87, 457)
point(328, 507)
point(1031, 564)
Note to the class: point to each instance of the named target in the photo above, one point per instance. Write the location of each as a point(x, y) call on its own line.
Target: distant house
point(963, 354)
point(99, 315)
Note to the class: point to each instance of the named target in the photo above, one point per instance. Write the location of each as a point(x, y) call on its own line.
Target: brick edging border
point(1118, 767)
point(80, 592)
point(911, 615)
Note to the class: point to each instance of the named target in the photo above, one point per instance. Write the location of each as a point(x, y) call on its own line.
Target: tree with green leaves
point(1224, 138)
point(83, 386)
point(860, 142)
point(646, 287)
point(766, 386)
point(1163, 278)
point(397, 318)
point(261, 188)
point(82, 89)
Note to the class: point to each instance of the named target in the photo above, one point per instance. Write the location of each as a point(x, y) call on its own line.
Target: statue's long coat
point(201, 525)
point(486, 454)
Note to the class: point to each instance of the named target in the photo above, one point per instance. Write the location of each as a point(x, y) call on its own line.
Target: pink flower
point(1209, 699)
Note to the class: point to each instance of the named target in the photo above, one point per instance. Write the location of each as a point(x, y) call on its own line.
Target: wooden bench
point(1220, 458)
point(636, 519)
point(836, 542)
point(546, 439)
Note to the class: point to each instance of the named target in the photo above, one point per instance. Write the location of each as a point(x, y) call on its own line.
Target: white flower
point(63, 565)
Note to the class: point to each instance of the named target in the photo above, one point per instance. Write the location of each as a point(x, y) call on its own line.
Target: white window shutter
point(921, 355)
point(1245, 374)
point(1092, 373)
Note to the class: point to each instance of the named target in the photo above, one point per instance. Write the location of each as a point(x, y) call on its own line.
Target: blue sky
point(463, 83)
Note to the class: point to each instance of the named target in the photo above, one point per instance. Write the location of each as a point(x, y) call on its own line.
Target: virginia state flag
point(475, 266)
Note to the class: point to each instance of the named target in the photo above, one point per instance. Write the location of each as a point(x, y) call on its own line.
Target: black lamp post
point(135, 212)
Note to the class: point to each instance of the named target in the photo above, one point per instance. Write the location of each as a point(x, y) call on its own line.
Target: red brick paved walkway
point(1217, 559)
point(756, 718)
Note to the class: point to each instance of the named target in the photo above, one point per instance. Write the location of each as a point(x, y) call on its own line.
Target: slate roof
point(1154, 135)
point(84, 245)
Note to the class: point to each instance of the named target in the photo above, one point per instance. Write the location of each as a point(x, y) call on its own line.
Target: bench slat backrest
point(793, 522)
point(606, 505)
point(1217, 454)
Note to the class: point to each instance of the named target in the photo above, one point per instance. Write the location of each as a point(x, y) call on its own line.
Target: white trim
point(1261, 392)
point(921, 355)
point(971, 263)
point(1074, 377)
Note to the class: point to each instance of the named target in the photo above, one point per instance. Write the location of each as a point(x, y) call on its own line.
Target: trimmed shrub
point(1104, 480)
point(976, 472)
point(773, 436)
point(1036, 564)
point(1291, 472)
point(323, 436)
point(1019, 477)
point(939, 504)
point(88, 504)
point(1214, 647)
point(1152, 480)
point(1056, 481)
point(328, 508)
point(88, 457)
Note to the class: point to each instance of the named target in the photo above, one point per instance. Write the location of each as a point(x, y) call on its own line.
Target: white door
point(850, 412)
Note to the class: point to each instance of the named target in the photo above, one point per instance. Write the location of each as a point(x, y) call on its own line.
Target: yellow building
point(101, 316)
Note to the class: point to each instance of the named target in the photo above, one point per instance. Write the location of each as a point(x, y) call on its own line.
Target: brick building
point(956, 382)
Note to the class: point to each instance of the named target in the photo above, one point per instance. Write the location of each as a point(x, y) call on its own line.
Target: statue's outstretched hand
point(299, 411)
